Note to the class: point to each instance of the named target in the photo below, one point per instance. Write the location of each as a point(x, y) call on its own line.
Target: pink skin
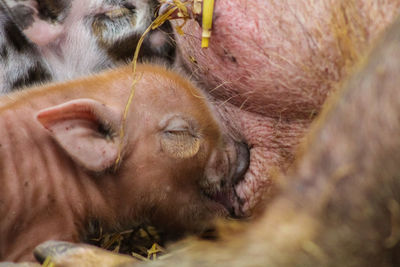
point(270, 66)
point(60, 143)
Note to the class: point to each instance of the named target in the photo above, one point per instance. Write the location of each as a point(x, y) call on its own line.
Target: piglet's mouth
point(237, 161)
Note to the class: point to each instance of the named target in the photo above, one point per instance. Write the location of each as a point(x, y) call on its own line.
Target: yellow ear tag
point(208, 10)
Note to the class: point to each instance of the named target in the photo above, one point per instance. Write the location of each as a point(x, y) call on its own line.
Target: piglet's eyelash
point(180, 133)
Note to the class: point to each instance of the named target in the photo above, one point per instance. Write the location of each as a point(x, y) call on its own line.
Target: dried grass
point(143, 242)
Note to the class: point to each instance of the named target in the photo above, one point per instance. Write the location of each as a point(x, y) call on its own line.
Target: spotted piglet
point(57, 40)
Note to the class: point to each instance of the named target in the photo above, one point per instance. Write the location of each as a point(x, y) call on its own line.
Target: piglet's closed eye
point(84, 129)
point(180, 139)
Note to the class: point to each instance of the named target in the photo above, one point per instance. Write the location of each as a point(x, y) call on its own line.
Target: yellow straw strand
point(182, 8)
point(197, 4)
point(163, 18)
point(208, 10)
point(124, 117)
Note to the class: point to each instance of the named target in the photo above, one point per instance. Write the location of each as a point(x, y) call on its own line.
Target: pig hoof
point(53, 249)
point(20, 264)
point(68, 254)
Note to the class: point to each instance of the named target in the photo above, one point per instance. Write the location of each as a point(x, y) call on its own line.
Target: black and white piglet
point(57, 40)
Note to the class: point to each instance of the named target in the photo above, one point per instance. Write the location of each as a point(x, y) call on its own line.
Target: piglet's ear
point(85, 129)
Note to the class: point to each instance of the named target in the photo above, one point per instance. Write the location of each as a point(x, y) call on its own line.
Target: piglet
point(59, 151)
point(59, 40)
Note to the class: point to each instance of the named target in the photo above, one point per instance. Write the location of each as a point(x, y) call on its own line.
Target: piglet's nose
point(243, 161)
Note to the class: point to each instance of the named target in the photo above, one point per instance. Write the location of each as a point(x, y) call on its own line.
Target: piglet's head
point(178, 168)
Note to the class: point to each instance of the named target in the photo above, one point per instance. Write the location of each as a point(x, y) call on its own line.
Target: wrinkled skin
point(341, 202)
point(270, 66)
point(64, 163)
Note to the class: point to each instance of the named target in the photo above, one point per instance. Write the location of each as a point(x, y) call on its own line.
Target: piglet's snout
point(227, 166)
point(242, 162)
